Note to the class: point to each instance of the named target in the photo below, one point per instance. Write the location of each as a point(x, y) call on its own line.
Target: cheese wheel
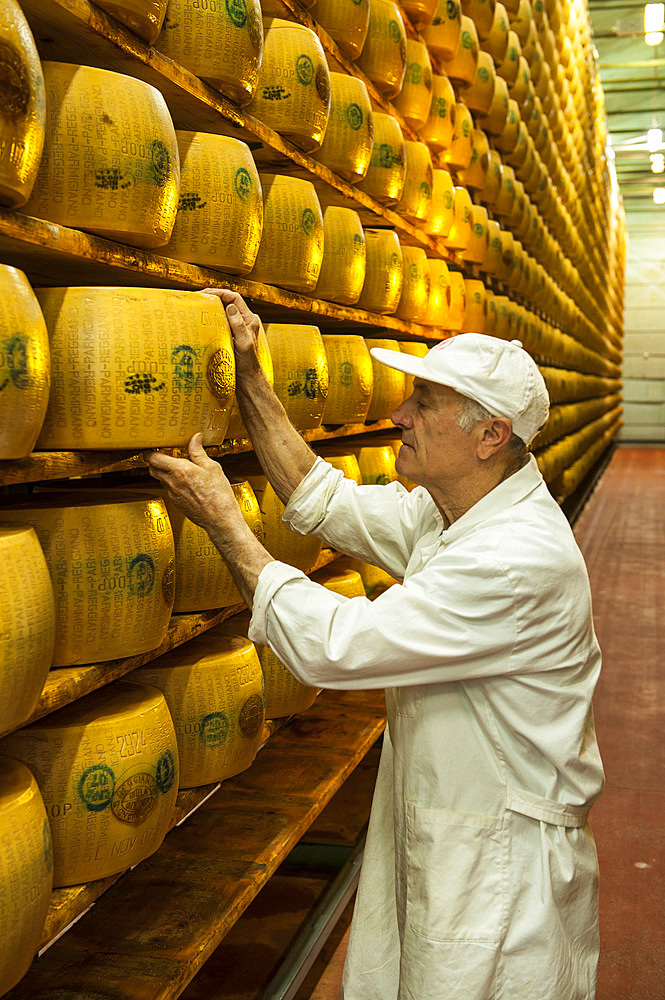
point(220, 211)
point(492, 262)
point(301, 372)
point(144, 17)
point(475, 175)
point(438, 129)
point(301, 551)
point(459, 234)
point(481, 13)
point(376, 463)
point(346, 21)
point(291, 250)
point(27, 623)
point(503, 204)
point(383, 58)
point(213, 687)
point(420, 12)
point(438, 308)
point(388, 383)
point(346, 463)
point(414, 347)
point(519, 89)
point(414, 99)
point(350, 379)
point(384, 271)
point(107, 769)
point(110, 163)
point(494, 121)
point(443, 34)
point(491, 317)
point(490, 189)
point(509, 65)
point(344, 257)
point(22, 110)
point(416, 201)
point(293, 91)
point(458, 154)
point(479, 93)
point(496, 40)
point(461, 66)
point(443, 204)
point(477, 247)
point(203, 580)
point(111, 566)
point(24, 364)
point(506, 140)
point(284, 694)
point(475, 310)
point(347, 145)
point(236, 427)
point(375, 581)
point(136, 367)
point(384, 179)
point(345, 582)
point(26, 870)
point(457, 301)
point(222, 42)
point(414, 299)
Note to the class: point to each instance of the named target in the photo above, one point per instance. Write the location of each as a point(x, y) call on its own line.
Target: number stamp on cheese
point(96, 787)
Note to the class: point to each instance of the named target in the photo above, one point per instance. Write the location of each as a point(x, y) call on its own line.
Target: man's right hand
point(245, 326)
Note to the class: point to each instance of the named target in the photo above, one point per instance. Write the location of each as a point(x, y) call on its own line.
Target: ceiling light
point(659, 196)
point(657, 163)
point(654, 140)
point(654, 23)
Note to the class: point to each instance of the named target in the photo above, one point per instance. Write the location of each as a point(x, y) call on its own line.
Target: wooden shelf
point(67, 684)
point(155, 928)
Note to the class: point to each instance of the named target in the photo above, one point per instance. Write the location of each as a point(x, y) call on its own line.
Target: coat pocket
point(455, 877)
point(409, 700)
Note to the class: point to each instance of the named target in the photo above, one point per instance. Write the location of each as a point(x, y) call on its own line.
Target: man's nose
point(401, 416)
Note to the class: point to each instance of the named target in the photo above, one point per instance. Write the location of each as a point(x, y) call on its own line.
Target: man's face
point(434, 448)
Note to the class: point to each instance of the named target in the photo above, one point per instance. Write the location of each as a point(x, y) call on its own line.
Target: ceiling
point(633, 79)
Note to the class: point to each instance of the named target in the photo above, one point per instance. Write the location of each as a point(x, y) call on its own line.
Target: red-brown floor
point(622, 535)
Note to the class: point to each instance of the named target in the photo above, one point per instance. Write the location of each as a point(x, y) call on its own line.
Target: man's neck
point(455, 497)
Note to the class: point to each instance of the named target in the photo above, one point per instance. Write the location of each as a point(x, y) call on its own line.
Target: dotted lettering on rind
point(304, 70)
point(166, 772)
point(168, 583)
point(250, 719)
point(14, 84)
point(160, 163)
point(322, 83)
point(140, 575)
point(96, 786)
point(134, 798)
point(214, 730)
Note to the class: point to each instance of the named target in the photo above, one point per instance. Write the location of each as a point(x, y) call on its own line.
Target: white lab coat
point(480, 874)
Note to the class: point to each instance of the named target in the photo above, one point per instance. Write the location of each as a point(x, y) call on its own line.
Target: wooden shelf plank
point(67, 684)
point(47, 465)
point(173, 909)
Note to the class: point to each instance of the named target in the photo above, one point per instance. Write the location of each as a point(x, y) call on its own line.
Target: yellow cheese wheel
point(481, 13)
point(496, 40)
point(459, 233)
point(301, 372)
point(377, 464)
point(220, 211)
point(293, 92)
point(509, 65)
point(291, 250)
point(506, 318)
point(461, 66)
point(301, 551)
point(284, 695)
point(439, 293)
point(219, 41)
point(506, 140)
point(414, 99)
point(25, 373)
point(437, 131)
point(458, 154)
point(443, 204)
point(203, 581)
point(420, 12)
point(414, 299)
point(384, 271)
point(110, 163)
point(491, 317)
point(22, 110)
point(457, 301)
point(346, 463)
point(346, 582)
point(479, 93)
point(388, 383)
point(414, 347)
point(416, 201)
point(475, 175)
point(350, 379)
point(383, 58)
point(475, 310)
point(503, 204)
point(519, 89)
point(494, 121)
point(236, 427)
point(443, 34)
point(375, 581)
point(111, 566)
point(492, 262)
point(136, 367)
point(492, 186)
point(26, 870)
point(344, 257)
point(27, 623)
point(347, 144)
point(478, 245)
point(213, 687)
point(346, 21)
point(384, 179)
point(107, 769)
point(144, 17)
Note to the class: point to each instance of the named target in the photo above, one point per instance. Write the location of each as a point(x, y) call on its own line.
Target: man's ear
point(494, 434)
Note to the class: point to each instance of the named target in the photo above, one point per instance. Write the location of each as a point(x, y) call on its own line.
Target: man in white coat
point(480, 876)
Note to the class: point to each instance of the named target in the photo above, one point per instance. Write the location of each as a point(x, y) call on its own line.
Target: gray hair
point(470, 413)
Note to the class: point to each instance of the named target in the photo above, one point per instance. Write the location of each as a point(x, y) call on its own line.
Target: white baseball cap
point(498, 374)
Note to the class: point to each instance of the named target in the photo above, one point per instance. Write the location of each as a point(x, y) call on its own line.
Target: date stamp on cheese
point(166, 772)
point(141, 575)
point(214, 729)
point(134, 798)
point(96, 786)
